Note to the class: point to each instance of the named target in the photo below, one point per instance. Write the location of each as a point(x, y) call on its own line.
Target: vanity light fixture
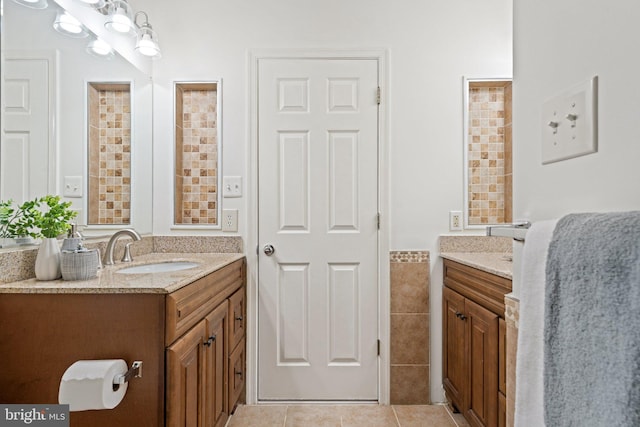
point(100, 49)
point(34, 4)
point(120, 17)
point(147, 42)
point(69, 26)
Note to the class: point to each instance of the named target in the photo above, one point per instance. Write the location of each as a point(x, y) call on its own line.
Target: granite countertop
point(498, 263)
point(109, 281)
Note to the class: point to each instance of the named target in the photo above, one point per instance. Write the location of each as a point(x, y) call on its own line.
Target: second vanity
point(474, 335)
point(186, 326)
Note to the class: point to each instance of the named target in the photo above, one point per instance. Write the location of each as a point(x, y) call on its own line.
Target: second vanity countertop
point(492, 262)
point(109, 281)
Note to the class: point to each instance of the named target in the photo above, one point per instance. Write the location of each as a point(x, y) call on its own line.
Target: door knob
point(269, 250)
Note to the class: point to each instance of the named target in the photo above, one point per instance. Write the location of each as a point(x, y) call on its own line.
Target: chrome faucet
point(108, 253)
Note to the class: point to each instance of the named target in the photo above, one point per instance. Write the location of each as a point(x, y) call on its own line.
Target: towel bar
point(517, 231)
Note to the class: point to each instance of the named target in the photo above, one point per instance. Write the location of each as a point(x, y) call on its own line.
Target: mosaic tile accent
point(486, 162)
point(197, 154)
point(109, 153)
point(409, 256)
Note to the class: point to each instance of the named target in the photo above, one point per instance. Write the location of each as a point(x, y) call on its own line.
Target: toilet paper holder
point(134, 372)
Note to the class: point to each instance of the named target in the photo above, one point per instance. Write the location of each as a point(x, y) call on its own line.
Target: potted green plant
point(6, 212)
point(52, 221)
point(19, 223)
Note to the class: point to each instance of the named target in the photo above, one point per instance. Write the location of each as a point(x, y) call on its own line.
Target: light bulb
point(70, 24)
point(120, 21)
point(99, 47)
point(33, 4)
point(146, 46)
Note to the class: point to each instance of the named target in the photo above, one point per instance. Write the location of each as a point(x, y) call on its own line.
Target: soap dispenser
point(73, 240)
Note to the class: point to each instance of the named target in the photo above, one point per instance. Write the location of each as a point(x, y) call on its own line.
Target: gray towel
point(592, 322)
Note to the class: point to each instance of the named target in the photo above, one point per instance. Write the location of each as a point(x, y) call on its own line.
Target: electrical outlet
point(230, 220)
point(455, 221)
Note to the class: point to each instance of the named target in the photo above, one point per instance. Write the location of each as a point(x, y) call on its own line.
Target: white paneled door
point(318, 229)
point(27, 127)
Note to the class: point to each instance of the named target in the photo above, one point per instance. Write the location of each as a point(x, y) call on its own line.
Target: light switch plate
point(232, 186)
point(570, 123)
point(72, 186)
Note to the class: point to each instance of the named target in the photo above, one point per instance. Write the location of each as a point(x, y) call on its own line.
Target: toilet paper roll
point(88, 384)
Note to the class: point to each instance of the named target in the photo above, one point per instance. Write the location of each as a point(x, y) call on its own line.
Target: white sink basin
point(158, 267)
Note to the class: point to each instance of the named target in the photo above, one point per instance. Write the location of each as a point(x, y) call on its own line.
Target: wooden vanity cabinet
point(474, 343)
point(199, 366)
point(190, 341)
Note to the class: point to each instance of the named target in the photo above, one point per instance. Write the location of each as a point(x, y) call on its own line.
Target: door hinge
point(378, 347)
point(378, 95)
point(378, 220)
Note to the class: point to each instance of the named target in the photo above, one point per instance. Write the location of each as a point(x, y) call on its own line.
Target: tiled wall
point(109, 192)
point(487, 163)
point(196, 154)
point(410, 327)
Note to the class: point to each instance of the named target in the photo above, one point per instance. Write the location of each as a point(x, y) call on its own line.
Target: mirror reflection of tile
point(109, 153)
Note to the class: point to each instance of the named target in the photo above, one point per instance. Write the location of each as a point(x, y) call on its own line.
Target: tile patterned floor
point(345, 416)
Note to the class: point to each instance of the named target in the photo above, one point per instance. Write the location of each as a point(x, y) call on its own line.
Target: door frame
point(254, 58)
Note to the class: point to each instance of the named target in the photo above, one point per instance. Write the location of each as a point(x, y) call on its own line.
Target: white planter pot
point(48, 260)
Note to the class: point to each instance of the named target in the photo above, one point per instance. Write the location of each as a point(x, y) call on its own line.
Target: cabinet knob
point(460, 315)
point(239, 373)
point(239, 318)
point(210, 341)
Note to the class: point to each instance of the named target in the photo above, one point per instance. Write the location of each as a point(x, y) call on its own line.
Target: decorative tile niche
point(489, 153)
point(196, 148)
point(109, 192)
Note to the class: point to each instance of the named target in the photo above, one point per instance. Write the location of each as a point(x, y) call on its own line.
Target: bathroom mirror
point(487, 152)
point(61, 164)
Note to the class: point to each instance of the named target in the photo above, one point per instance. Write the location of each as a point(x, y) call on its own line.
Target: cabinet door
point(455, 374)
point(483, 365)
point(215, 368)
point(185, 363)
point(236, 374)
point(238, 319)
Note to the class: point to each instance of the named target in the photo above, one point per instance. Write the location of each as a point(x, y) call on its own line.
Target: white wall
point(556, 45)
point(431, 45)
